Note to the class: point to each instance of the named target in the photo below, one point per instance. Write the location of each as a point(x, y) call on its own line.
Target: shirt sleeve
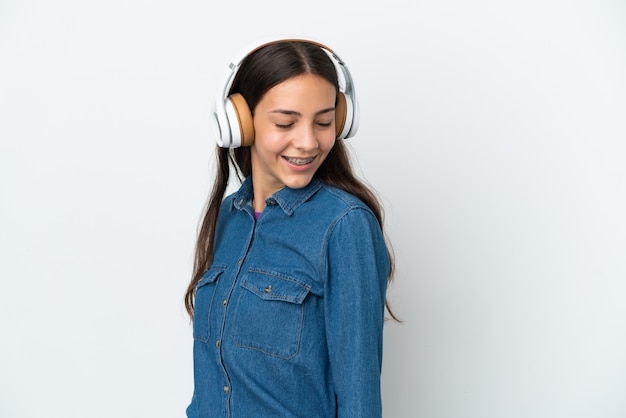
point(192, 410)
point(354, 294)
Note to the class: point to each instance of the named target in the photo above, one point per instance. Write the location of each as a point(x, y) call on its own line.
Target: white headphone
point(232, 120)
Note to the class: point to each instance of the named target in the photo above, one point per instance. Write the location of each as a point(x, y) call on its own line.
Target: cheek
point(270, 141)
point(265, 136)
point(327, 142)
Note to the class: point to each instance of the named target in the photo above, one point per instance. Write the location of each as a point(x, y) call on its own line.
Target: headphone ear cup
point(243, 131)
point(340, 115)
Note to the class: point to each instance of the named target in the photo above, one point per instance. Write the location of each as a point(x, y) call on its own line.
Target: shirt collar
point(288, 199)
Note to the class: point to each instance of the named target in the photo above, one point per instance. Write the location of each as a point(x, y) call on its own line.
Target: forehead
point(302, 90)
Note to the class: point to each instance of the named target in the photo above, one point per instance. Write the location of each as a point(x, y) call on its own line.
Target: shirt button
point(240, 262)
point(272, 202)
point(225, 302)
point(218, 343)
point(226, 388)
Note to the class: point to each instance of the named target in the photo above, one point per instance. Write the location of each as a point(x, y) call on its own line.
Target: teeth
point(299, 161)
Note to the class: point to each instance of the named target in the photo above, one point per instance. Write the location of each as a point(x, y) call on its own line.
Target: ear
point(340, 114)
point(244, 119)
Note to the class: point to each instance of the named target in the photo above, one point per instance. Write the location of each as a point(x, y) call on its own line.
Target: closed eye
point(281, 126)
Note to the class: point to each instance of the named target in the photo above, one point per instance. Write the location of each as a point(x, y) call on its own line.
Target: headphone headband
point(231, 116)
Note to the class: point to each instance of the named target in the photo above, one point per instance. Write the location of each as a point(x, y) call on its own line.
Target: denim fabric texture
point(288, 319)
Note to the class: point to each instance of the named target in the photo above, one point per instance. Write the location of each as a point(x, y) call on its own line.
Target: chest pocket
point(270, 314)
point(205, 291)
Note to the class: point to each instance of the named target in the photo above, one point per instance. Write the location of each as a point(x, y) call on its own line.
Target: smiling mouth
point(299, 161)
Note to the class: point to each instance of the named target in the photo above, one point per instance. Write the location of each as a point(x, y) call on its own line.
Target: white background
point(495, 133)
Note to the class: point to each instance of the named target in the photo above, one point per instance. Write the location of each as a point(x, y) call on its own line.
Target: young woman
point(288, 290)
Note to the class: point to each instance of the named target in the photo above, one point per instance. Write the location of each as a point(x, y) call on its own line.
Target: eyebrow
point(293, 112)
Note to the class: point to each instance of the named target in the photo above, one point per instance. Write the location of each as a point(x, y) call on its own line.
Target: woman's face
point(294, 125)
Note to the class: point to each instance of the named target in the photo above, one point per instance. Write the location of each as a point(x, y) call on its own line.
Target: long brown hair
point(259, 72)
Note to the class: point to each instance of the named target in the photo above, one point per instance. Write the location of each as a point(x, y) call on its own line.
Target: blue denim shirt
point(289, 317)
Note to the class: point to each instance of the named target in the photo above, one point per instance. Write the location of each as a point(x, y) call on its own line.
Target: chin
point(298, 183)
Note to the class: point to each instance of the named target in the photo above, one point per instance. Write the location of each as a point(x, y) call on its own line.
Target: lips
point(299, 161)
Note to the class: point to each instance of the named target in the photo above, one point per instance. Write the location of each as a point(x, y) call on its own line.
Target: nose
point(306, 138)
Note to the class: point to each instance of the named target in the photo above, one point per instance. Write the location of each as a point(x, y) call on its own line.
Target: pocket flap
point(210, 276)
point(270, 286)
